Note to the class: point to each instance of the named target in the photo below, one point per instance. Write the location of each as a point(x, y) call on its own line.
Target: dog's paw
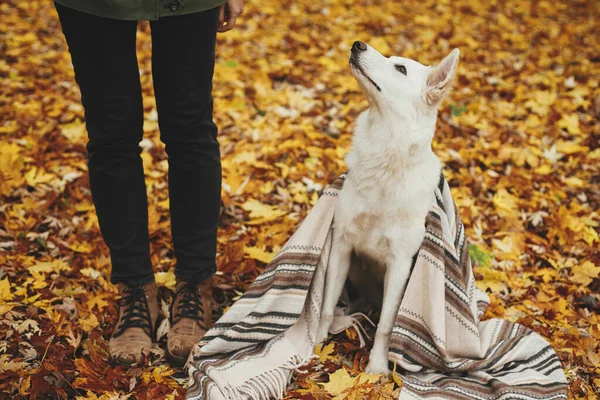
point(378, 367)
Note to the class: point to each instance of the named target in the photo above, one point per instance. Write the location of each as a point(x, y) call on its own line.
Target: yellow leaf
point(584, 273)
point(285, 170)
point(88, 396)
point(568, 221)
point(89, 323)
point(6, 364)
point(540, 102)
point(546, 274)
point(157, 374)
point(4, 308)
point(259, 253)
point(74, 132)
point(267, 188)
point(9, 127)
point(329, 64)
point(39, 268)
point(590, 235)
point(166, 279)
point(324, 351)
point(34, 298)
point(11, 166)
point(544, 169)
point(341, 152)
point(513, 314)
point(505, 203)
point(561, 306)
point(92, 221)
point(491, 279)
point(39, 280)
point(84, 206)
point(172, 395)
point(363, 377)
point(570, 147)
point(91, 272)
point(36, 176)
point(314, 198)
point(570, 122)
point(381, 45)
point(339, 381)
point(519, 156)
point(260, 212)
point(25, 385)
point(396, 377)
point(512, 244)
point(52, 266)
point(147, 161)
point(574, 181)
point(82, 247)
point(96, 301)
point(313, 387)
point(5, 290)
point(351, 333)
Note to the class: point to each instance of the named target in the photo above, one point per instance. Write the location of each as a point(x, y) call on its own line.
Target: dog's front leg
point(396, 278)
point(337, 272)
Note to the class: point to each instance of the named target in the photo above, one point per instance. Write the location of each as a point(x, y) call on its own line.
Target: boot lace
point(136, 313)
point(189, 303)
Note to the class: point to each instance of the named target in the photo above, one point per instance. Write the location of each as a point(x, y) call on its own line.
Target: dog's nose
point(359, 46)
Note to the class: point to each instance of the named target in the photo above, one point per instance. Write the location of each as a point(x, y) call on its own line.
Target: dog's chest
point(370, 236)
point(383, 224)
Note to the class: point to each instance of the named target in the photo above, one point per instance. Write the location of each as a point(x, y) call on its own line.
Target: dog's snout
point(359, 46)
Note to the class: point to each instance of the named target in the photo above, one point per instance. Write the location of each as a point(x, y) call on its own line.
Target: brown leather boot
point(190, 317)
point(134, 333)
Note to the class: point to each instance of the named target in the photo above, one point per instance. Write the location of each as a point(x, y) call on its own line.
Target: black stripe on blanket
point(224, 325)
point(274, 314)
point(273, 287)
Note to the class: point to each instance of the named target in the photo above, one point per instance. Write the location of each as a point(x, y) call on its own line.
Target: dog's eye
point(401, 68)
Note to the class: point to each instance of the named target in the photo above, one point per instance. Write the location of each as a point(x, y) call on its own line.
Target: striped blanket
point(441, 347)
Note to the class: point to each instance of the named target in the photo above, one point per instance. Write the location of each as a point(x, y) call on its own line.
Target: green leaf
point(260, 112)
point(457, 111)
point(480, 256)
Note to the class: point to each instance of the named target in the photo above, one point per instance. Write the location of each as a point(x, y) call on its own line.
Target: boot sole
point(176, 361)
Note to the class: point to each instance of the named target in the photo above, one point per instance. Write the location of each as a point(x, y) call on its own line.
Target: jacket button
point(174, 6)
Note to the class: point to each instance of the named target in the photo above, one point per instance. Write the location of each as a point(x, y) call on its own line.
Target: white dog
point(389, 189)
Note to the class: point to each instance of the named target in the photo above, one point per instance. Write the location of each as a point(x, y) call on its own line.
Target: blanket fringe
point(270, 384)
point(343, 322)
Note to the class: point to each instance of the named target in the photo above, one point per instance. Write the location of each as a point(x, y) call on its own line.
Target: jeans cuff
point(142, 280)
point(196, 275)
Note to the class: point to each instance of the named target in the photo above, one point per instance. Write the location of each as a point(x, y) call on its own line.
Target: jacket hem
point(137, 14)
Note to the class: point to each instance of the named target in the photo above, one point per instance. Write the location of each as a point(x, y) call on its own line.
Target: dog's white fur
point(390, 185)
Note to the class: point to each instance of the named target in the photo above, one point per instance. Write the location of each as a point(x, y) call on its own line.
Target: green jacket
point(140, 9)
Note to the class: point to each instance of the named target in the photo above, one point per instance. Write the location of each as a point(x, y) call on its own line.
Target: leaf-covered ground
point(519, 138)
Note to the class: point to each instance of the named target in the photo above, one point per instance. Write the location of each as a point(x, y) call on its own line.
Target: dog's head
point(401, 85)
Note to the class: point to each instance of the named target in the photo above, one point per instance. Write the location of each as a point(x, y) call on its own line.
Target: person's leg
point(104, 59)
point(183, 49)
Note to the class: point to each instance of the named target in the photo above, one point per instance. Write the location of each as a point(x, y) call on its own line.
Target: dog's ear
point(440, 79)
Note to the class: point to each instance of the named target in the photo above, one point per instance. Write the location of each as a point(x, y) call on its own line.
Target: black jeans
point(104, 58)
